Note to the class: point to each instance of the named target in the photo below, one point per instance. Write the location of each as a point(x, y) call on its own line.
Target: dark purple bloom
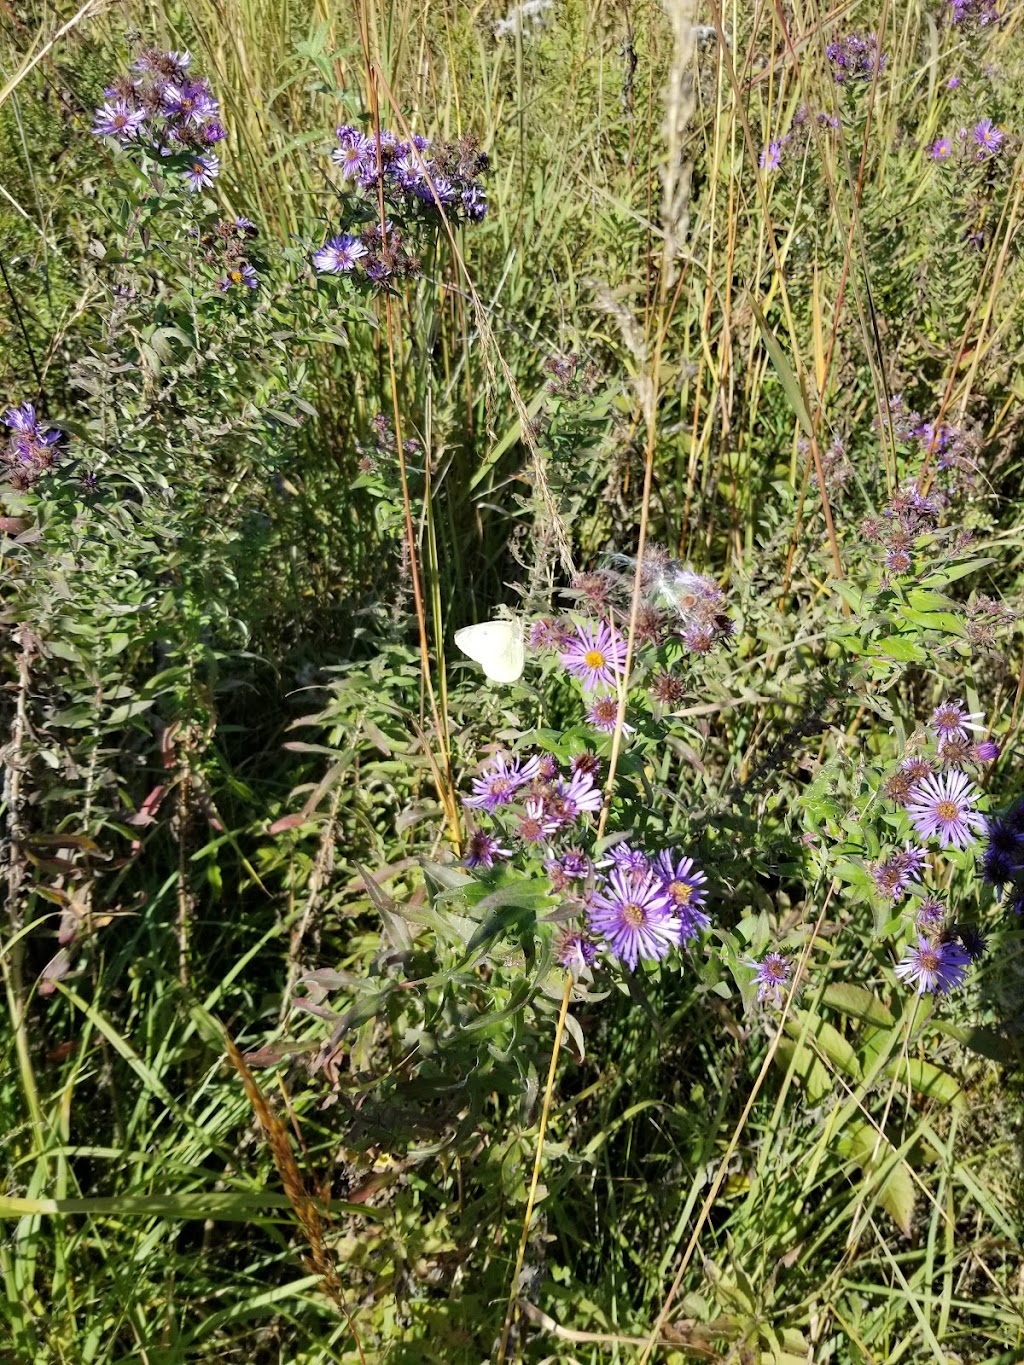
point(474, 203)
point(934, 966)
point(973, 940)
point(499, 785)
point(855, 57)
point(596, 656)
point(573, 864)
point(339, 255)
point(773, 973)
point(985, 751)
point(946, 806)
point(628, 859)
point(634, 917)
point(999, 867)
point(483, 849)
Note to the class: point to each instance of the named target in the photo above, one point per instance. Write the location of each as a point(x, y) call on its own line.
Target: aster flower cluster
point(420, 180)
point(30, 451)
point(774, 152)
point(855, 57)
point(979, 143)
point(415, 175)
point(678, 608)
point(226, 248)
point(1002, 864)
point(380, 453)
point(159, 104)
point(627, 904)
point(951, 451)
point(941, 804)
point(973, 13)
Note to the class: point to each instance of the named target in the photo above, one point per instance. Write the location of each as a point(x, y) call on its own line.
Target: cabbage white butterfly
point(497, 646)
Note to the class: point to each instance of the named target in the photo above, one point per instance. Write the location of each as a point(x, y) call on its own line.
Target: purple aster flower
point(575, 950)
point(917, 769)
point(595, 655)
point(988, 137)
point(953, 83)
point(340, 254)
point(626, 858)
point(946, 806)
point(931, 916)
point(950, 719)
point(634, 917)
point(354, 153)
point(684, 885)
point(203, 171)
point(894, 874)
point(941, 150)
point(536, 825)
point(1003, 836)
point(483, 849)
point(212, 132)
point(579, 796)
point(499, 785)
point(22, 419)
point(985, 751)
point(934, 966)
point(119, 120)
point(771, 157)
point(239, 274)
point(898, 560)
point(773, 973)
point(189, 102)
point(603, 713)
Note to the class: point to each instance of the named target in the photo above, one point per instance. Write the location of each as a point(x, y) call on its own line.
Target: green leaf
point(858, 1003)
point(829, 1039)
point(985, 1042)
point(803, 1062)
point(927, 1079)
point(896, 1193)
point(783, 369)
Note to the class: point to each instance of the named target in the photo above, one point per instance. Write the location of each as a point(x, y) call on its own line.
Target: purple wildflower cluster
point(855, 57)
point(419, 180)
point(678, 607)
point(380, 454)
point(772, 977)
point(629, 904)
point(941, 803)
point(973, 13)
point(417, 174)
point(226, 248)
point(773, 153)
point(979, 143)
point(952, 451)
point(30, 450)
point(160, 105)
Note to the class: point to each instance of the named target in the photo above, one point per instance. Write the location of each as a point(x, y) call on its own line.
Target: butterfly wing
point(497, 646)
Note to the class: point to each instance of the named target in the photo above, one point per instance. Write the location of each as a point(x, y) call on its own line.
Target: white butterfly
point(497, 646)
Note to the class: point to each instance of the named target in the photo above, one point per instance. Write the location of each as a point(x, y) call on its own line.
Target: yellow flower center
point(681, 892)
point(633, 914)
point(947, 811)
point(594, 659)
point(236, 277)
